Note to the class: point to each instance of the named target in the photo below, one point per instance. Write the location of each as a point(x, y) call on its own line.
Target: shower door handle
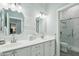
point(72, 32)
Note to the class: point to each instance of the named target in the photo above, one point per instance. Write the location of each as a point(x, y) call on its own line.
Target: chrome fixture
point(13, 40)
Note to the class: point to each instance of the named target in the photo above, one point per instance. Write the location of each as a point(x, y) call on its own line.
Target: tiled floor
point(69, 53)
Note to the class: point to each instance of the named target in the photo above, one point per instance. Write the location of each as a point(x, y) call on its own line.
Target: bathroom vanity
point(12, 23)
point(37, 47)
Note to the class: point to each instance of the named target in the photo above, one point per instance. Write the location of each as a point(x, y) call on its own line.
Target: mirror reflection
point(15, 26)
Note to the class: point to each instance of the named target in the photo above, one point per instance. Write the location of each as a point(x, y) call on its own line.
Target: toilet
point(63, 47)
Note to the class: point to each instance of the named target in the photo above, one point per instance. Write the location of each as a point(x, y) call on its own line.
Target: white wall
point(51, 27)
point(31, 11)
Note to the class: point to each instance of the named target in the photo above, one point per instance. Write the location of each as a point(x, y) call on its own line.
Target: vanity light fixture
point(16, 7)
point(43, 14)
point(12, 6)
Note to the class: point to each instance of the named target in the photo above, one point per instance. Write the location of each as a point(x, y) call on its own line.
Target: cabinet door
point(46, 48)
point(52, 48)
point(37, 50)
point(8, 53)
point(23, 52)
point(49, 48)
point(40, 51)
point(33, 51)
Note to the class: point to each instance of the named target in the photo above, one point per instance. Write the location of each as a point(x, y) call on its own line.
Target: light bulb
point(20, 7)
point(13, 7)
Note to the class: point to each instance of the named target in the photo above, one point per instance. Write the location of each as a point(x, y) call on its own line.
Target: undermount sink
point(31, 38)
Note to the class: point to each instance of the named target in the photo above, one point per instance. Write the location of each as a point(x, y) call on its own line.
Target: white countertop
point(23, 43)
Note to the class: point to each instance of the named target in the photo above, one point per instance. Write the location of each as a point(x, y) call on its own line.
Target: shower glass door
point(66, 31)
point(75, 42)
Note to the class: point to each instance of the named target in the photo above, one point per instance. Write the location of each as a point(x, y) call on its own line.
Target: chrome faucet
point(13, 40)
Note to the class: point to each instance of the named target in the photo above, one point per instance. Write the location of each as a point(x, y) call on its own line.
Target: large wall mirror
point(11, 22)
point(40, 25)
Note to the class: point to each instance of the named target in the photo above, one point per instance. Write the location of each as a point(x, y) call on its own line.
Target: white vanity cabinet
point(37, 50)
point(45, 48)
point(49, 48)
